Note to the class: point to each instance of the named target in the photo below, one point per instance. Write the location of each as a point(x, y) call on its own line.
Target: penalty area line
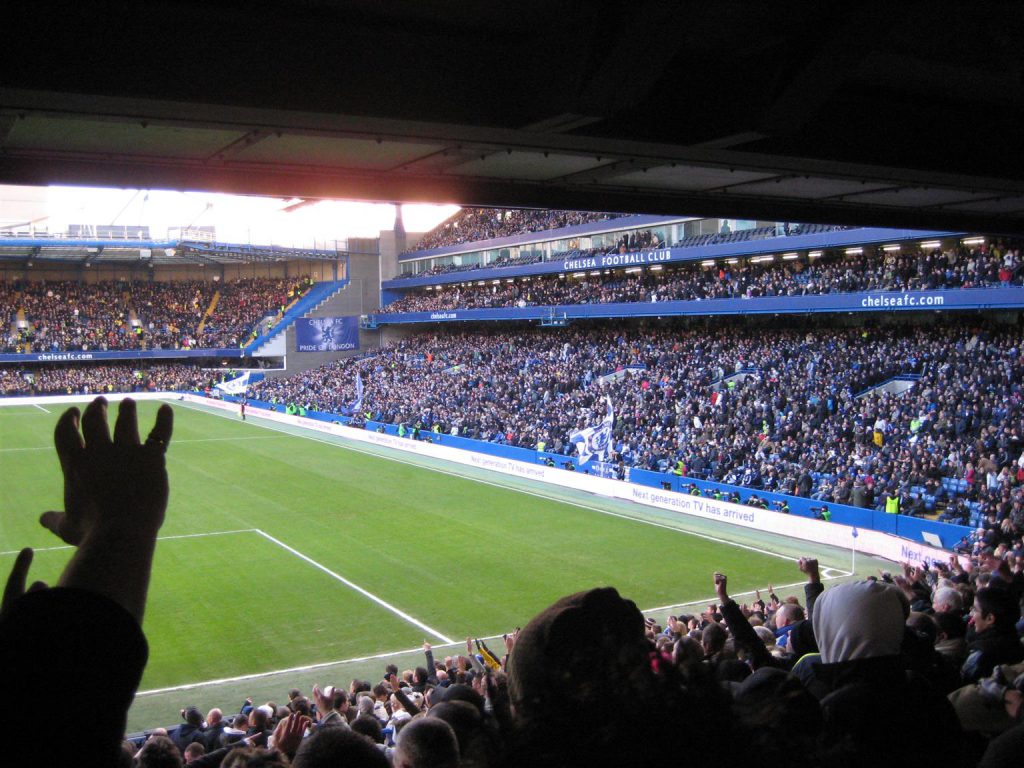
point(352, 585)
point(158, 538)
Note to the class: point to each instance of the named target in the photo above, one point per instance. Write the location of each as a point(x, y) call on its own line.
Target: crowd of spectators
point(471, 224)
point(243, 303)
point(960, 267)
point(525, 257)
point(66, 315)
point(122, 315)
point(103, 378)
point(785, 675)
point(781, 229)
point(921, 666)
point(772, 409)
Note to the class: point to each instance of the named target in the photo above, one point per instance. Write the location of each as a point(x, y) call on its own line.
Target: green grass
point(462, 557)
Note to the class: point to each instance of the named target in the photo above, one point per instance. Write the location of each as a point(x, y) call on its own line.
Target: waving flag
point(595, 440)
point(359, 393)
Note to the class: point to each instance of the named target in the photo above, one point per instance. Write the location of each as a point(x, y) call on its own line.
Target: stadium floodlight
point(853, 251)
point(708, 263)
point(973, 241)
point(633, 270)
point(732, 261)
point(790, 256)
point(930, 244)
point(814, 255)
point(657, 268)
point(891, 248)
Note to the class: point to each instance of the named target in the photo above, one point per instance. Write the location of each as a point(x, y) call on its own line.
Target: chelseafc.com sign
point(903, 300)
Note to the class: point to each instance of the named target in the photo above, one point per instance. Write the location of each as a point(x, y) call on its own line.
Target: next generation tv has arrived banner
point(326, 334)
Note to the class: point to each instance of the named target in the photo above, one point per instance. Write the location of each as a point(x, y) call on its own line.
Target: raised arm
point(83, 638)
point(813, 588)
point(743, 634)
point(115, 496)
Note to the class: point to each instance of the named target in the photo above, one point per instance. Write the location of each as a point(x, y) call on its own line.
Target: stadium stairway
point(314, 298)
point(209, 311)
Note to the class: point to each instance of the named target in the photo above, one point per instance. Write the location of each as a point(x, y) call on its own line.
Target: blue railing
point(865, 301)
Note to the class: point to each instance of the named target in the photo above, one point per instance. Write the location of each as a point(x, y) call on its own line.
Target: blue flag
point(597, 439)
point(359, 392)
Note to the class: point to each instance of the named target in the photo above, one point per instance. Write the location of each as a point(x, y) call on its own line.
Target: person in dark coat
point(993, 637)
point(190, 731)
point(875, 712)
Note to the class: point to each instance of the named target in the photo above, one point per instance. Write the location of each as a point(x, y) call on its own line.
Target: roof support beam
point(234, 148)
point(476, 191)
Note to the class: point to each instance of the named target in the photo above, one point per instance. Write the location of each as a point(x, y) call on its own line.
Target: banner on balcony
point(326, 334)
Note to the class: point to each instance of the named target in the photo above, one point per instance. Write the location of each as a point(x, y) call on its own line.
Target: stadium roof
point(893, 114)
point(87, 252)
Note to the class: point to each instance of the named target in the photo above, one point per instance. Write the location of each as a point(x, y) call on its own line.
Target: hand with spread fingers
point(115, 497)
point(114, 485)
point(84, 636)
point(289, 733)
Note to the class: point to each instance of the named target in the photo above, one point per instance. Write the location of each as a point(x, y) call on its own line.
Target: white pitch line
point(736, 594)
point(380, 601)
point(40, 407)
point(173, 442)
point(258, 675)
point(537, 494)
point(158, 538)
point(390, 654)
point(36, 549)
point(221, 439)
point(211, 533)
point(303, 668)
point(842, 574)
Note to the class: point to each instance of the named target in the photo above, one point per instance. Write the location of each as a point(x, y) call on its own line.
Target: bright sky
point(238, 219)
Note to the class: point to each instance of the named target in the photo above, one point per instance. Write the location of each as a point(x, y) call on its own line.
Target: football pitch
point(288, 558)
